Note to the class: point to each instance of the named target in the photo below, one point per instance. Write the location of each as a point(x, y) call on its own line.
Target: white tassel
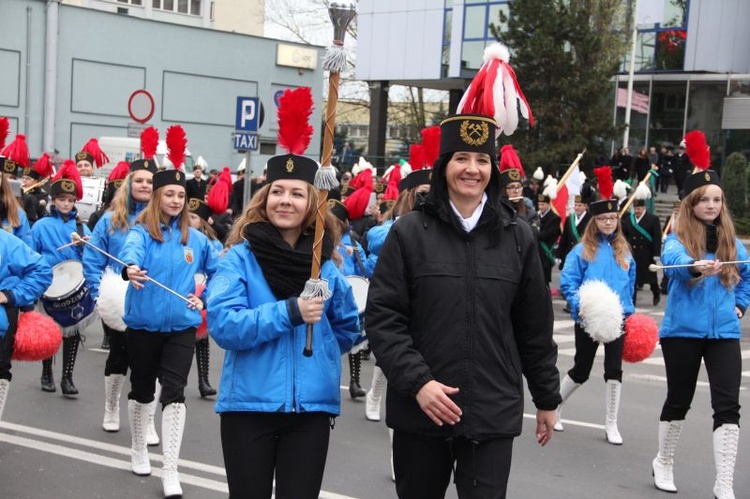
point(325, 178)
point(315, 288)
point(601, 311)
point(334, 59)
point(551, 190)
point(642, 191)
point(549, 180)
point(538, 174)
point(620, 189)
point(510, 124)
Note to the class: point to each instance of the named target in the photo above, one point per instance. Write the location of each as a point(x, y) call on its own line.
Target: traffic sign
point(246, 141)
point(135, 129)
point(248, 114)
point(141, 106)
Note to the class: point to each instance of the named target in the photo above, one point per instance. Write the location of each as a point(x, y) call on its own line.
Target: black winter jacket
point(469, 310)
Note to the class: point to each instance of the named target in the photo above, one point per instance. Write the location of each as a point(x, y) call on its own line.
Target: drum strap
point(79, 227)
point(357, 256)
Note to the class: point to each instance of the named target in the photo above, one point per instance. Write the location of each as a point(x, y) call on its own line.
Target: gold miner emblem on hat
point(474, 133)
point(81, 156)
point(610, 207)
point(514, 175)
point(68, 186)
point(177, 176)
point(708, 177)
point(193, 204)
point(289, 165)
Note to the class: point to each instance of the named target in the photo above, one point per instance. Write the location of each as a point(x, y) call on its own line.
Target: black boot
point(48, 380)
point(105, 340)
point(365, 354)
point(201, 360)
point(355, 363)
point(657, 296)
point(70, 350)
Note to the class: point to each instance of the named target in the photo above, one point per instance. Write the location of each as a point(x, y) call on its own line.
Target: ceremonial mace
point(334, 62)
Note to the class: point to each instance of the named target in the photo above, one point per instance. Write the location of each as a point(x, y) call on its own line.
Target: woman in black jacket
point(458, 309)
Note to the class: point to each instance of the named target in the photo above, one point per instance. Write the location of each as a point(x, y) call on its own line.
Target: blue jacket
point(24, 275)
point(23, 231)
point(173, 265)
point(264, 369)
point(109, 240)
point(49, 233)
point(704, 309)
point(350, 265)
point(375, 239)
point(605, 268)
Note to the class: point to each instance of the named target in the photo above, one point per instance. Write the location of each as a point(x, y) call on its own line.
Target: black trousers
point(257, 444)
point(423, 466)
point(117, 360)
point(7, 342)
point(583, 360)
point(682, 360)
point(166, 356)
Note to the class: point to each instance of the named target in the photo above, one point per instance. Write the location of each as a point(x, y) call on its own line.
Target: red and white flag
point(566, 193)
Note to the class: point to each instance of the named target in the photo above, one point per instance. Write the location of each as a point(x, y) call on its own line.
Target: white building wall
point(718, 36)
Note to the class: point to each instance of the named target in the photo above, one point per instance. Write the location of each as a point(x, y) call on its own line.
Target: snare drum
point(93, 192)
point(360, 285)
point(67, 300)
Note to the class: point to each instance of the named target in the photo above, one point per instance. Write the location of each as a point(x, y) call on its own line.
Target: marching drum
point(67, 300)
point(360, 286)
point(93, 192)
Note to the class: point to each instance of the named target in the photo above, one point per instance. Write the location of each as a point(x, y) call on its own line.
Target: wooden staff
point(643, 182)
point(334, 62)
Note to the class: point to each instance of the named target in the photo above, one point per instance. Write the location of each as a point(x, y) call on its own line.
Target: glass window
point(667, 112)
point(156, 4)
point(471, 55)
point(448, 3)
point(195, 7)
point(182, 6)
point(168, 4)
point(494, 16)
point(705, 108)
point(474, 22)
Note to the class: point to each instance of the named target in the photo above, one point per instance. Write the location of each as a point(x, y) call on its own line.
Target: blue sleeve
point(674, 253)
point(368, 265)
point(343, 314)
point(231, 323)
point(210, 259)
point(742, 290)
point(23, 231)
point(35, 274)
point(134, 249)
point(571, 279)
point(94, 262)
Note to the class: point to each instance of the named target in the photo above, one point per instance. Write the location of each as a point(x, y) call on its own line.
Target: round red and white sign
point(141, 106)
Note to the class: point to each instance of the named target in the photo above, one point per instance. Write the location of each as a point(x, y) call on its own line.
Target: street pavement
point(51, 446)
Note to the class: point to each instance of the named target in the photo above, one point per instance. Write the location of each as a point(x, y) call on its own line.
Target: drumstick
point(66, 245)
point(516, 198)
point(653, 267)
point(77, 238)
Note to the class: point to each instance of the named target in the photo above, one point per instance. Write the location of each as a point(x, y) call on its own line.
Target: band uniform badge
point(193, 204)
point(514, 175)
point(189, 255)
point(289, 165)
point(474, 133)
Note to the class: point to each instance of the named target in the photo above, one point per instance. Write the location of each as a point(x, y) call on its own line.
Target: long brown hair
point(692, 234)
point(256, 212)
point(10, 202)
point(153, 218)
point(620, 246)
point(122, 204)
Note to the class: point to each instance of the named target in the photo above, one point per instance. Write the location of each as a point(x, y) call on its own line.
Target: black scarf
point(712, 239)
point(286, 269)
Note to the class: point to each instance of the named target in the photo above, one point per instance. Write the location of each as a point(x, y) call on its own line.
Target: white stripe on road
point(571, 422)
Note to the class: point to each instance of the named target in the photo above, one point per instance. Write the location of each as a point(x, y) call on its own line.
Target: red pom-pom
point(218, 196)
point(4, 131)
point(43, 166)
point(604, 181)
point(202, 331)
point(176, 145)
point(119, 172)
point(697, 149)
point(295, 131)
point(416, 157)
point(149, 142)
point(393, 177)
point(509, 160)
point(357, 202)
point(37, 337)
point(92, 147)
point(641, 337)
point(430, 145)
point(69, 171)
point(17, 151)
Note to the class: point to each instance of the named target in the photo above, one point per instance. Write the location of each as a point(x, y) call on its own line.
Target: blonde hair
point(692, 234)
point(152, 217)
point(10, 202)
point(620, 245)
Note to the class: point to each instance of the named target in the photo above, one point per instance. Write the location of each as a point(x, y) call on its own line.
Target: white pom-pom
point(549, 180)
point(551, 190)
point(601, 311)
point(111, 303)
point(405, 170)
point(642, 192)
point(538, 173)
point(496, 51)
point(620, 189)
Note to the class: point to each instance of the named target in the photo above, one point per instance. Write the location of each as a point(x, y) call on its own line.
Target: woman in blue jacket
point(48, 234)
point(109, 234)
point(602, 254)
point(24, 275)
point(12, 216)
point(277, 405)
point(706, 300)
point(160, 336)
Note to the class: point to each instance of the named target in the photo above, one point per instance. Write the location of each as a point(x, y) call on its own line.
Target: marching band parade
point(440, 272)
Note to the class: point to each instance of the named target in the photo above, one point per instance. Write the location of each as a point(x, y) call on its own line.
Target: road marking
point(571, 422)
point(110, 462)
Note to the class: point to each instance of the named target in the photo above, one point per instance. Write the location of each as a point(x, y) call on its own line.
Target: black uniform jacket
point(644, 251)
point(469, 310)
point(568, 238)
point(549, 231)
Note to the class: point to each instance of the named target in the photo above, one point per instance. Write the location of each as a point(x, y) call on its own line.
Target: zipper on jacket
point(471, 319)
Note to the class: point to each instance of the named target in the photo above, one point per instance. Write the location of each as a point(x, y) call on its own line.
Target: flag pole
point(631, 72)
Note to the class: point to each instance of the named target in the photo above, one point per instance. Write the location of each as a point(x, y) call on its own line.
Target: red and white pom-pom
point(69, 171)
point(601, 311)
point(18, 151)
point(295, 130)
point(509, 160)
point(92, 147)
point(641, 337)
point(697, 149)
point(149, 142)
point(218, 196)
point(43, 166)
point(604, 181)
point(495, 92)
point(176, 145)
point(37, 337)
point(4, 131)
point(430, 145)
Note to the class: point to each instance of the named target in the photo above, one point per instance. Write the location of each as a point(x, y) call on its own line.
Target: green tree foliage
point(565, 54)
point(734, 183)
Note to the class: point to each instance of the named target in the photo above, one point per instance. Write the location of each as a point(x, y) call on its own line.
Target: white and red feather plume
point(495, 92)
point(176, 145)
point(295, 109)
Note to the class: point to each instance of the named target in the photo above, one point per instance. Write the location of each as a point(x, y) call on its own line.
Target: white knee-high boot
point(375, 395)
point(612, 402)
point(567, 387)
point(662, 467)
point(152, 437)
point(138, 417)
point(172, 427)
point(112, 389)
point(4, 387)
point(726, 441)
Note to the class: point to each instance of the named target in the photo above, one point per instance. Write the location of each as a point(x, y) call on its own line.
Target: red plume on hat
point(604, 181)
point(357, 202)
point(295, 109)
point(393, 177)
point(218, 196)
point(431, 147)
point(17, 151)
point(92, 147)
point(43, 166)
point(119, 172)
point(4, 131)
point(509, 160)
point(697, 149)
point(70, 172)
point(176, 145)
point(416, 157)
point(149, 142)
point(495, 92)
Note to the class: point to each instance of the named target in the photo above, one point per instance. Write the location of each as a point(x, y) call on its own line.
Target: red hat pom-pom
point(176, 145)
point(4, 131)
point(697, 149)
point(604, 181)
point(295, 109)
point(641, 337)
point(119, 172)
point(37, 337)
point(149, 142)
point(92, 147)
point(416, 157)
point(43, 166)
point(69, 171)
point(218, 196)
point(394, 177)
point(18, 151)
point(509, 160)
point(430, 146)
